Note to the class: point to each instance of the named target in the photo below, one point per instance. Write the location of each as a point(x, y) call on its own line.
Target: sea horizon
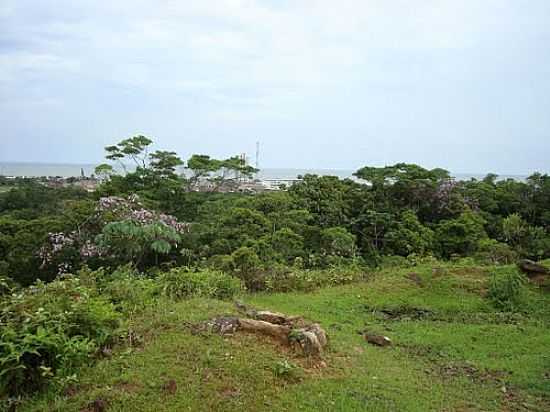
point(57, 169)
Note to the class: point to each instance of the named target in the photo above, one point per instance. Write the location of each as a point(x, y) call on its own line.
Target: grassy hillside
point(452, 351)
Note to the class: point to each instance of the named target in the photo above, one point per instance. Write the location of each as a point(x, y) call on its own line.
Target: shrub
point(48, 330)
point(460, 236)
point(495, 253)
point(181, 283)
point(6, 286)
point(506, 290)
point(392, 261)
point(294, 279)
point(338, 241)
point(129, 290)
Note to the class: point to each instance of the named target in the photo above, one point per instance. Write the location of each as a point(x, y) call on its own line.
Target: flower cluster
point(444, 191)
point(89, 250)
point(172, 222)
point(107, 208)
point(55, 244)
point(132, 209)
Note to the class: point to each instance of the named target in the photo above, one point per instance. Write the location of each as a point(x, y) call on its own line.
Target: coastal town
point(92, 182)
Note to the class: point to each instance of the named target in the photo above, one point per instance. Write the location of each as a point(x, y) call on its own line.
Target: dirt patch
point(415, 277)
point(99, 405)
point(230, 392)
point(128, 387)
point(73, 390)
point(170, 387)
point(402, 313)
point(456, 369)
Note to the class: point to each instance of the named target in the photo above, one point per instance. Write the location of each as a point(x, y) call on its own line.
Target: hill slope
point(452, 352)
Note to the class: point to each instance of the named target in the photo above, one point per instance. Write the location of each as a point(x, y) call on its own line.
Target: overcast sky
point(460, 84)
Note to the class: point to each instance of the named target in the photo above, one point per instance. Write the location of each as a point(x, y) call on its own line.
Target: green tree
point(460, 236)
point(337, 241)
point(409, 236)
point(288, 244)
point(130, 242)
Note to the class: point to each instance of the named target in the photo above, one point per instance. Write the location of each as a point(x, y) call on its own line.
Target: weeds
point(506, 291)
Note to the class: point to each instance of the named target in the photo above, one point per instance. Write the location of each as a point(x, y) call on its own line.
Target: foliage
point(184, 283)
point(216, 172)
point(128, 290)
point(285, 370)
point(338, 241)
point(287, 244)
point(128, 241)
point(294, 279)
point(506, 290)
point(409, 236)
point(460, 236)
point(494, 252)
point(48, 330)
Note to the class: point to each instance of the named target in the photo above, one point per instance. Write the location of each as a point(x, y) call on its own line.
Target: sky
point(458, 84)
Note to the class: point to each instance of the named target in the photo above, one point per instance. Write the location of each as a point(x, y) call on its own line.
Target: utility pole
point(257, 157)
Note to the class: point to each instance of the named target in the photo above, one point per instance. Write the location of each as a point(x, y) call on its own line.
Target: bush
point(294, 279)
point(507, 290)
point(460, 236)
point(48, 330)
point(181, 283)
point(6, 286)
point(496, 253)
point(129, 290)
point(392, 261)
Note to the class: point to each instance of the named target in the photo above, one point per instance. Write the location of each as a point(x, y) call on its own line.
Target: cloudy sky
point(461, 84)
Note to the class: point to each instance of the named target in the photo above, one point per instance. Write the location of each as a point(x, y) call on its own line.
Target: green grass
point(456, 354)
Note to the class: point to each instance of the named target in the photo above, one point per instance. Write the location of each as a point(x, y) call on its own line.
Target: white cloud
point(252, 62)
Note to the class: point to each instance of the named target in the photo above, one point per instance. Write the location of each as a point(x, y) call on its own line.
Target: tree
point(287, 244)
point(164, 164)
point(217, 172)
point(409, 236)
point(514, 229)
point(130, 242)
point(104, 171)
point(154, 173)
point(337, 241)
point(460, 236)
point(134, 148)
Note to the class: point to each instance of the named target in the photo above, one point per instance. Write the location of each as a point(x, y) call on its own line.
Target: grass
point(452, 352)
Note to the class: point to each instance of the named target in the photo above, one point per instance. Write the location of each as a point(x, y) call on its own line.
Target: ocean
point(69, 170)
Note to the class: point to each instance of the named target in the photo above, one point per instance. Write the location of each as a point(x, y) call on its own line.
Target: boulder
point(531, 268)
point(309, 338)
point(378, 340)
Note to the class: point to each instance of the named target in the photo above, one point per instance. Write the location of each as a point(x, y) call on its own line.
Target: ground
point(452, 351)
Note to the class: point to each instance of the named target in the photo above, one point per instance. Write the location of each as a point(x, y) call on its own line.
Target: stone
point(378, 340)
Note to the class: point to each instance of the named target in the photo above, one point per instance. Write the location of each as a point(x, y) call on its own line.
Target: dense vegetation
point(76, 267)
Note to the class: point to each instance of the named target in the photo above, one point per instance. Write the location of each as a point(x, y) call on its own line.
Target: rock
point(265, 315)
point(532, 268)
point(415, 277)
point(289, 330)
point(272, 317)
point(223, 325)
point(99, 405)
point(536, 273)
point(319, 333)
point(378, 340)
point(171, 387)
point(307, 341)
point(277, 331)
